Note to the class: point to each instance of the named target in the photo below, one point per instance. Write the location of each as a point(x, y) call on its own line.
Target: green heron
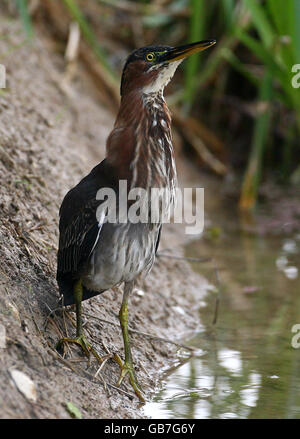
point(95, 255)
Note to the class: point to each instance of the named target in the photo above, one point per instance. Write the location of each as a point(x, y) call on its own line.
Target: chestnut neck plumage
point(140, 145)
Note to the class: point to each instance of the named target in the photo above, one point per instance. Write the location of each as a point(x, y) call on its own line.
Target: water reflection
point(248, 368)
point(231, 360)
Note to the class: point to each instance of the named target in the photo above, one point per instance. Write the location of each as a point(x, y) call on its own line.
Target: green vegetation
point(24, 14)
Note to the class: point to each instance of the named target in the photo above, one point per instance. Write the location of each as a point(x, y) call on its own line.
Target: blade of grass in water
point(25, 17)
point(197, 30)
point(253, 173)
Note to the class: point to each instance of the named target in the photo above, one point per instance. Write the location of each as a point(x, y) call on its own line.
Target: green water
point(246, 366)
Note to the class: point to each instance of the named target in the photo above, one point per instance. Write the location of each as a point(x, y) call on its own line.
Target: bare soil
point(51, 134)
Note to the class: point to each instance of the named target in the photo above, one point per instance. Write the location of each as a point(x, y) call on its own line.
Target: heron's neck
point(140, 145)
point(142, 108)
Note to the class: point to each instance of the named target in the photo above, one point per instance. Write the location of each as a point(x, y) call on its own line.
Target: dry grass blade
point(106, 84)
point(198, 145)
point(72, 48)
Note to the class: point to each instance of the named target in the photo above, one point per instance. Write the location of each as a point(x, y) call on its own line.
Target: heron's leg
point(127, 366)
point(80, 339)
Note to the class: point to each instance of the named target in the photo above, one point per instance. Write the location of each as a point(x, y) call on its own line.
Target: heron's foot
point(127, 369)
point(84, 344)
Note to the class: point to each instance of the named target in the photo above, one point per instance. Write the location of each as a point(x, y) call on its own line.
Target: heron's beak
point(180, 52)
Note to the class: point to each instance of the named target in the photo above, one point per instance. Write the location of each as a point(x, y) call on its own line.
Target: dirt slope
point(48, 141)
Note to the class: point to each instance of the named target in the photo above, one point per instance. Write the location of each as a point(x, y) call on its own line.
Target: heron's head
point(151, 68)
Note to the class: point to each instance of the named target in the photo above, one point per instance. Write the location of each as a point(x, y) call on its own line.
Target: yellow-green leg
point(127, 366)
point(80, 339)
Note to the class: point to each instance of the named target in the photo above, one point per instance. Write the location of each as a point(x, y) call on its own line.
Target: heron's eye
point(150, 56)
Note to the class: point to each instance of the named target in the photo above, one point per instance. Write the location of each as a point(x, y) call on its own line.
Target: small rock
point(2, 337)
point(24, 384)
point(114, 403)
point(14, 311)
point(139, 292)
point(179, 310)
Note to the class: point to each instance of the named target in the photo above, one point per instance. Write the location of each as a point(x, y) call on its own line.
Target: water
point(247, 366)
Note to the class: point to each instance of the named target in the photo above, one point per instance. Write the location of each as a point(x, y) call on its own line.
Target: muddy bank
point(49, 139)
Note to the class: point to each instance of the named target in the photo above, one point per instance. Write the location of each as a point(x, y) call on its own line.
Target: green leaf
point(280, 13)
point(228, 11)
point(197, 30)
point(23, 11)
point(279, 71)
point(296, 34)
point(73, 410)
point(261, 22)
point(232, 59)
point(260, 136)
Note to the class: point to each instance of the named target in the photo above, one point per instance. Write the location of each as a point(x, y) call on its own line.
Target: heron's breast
point(123, 251)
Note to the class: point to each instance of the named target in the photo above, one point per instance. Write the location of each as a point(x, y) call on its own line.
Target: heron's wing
point(80, 224)
point(78, 238)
